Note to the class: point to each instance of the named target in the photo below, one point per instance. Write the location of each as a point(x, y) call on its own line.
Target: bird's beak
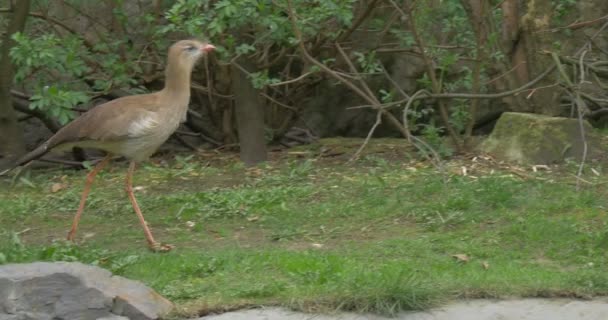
point(206, 48)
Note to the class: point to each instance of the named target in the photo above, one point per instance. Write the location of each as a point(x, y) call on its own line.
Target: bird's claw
point(161, 247)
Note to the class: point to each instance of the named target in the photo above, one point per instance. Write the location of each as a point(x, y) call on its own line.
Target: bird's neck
point(177, 82)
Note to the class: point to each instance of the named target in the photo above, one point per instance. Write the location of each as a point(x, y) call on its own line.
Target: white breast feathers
point(144, 125)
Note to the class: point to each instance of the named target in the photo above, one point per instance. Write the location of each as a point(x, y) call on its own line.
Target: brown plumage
point(133, 126)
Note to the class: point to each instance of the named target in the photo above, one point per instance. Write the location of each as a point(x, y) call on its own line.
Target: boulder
point(527, 138)
point(73, 291)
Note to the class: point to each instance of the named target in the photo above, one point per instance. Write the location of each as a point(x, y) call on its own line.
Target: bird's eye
point(190, 48)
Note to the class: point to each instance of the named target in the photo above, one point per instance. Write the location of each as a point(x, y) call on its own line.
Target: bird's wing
point(119, 119)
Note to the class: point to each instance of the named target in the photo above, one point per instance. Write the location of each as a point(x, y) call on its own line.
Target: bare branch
point(282, 83)
point(369, 136)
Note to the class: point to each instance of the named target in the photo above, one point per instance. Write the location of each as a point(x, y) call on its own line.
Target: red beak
point(207, 48)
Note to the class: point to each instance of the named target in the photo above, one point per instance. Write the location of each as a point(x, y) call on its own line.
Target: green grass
point(375, 236)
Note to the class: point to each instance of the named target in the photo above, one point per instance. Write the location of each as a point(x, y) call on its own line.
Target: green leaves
point(58, 102)
point(256, 23)
point(49, 52)
point(40, 64)
point(262, 79)
point(244, 49)
point(562, 8)
point(368, 63)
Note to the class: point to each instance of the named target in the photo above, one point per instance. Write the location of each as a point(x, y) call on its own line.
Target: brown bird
point(133, 126)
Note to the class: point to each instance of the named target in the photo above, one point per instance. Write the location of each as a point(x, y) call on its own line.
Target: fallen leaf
point(190, 224)
point(253, 218)
point(317, 245)
point(88, 235)
point(485, 265)
point(537, 167)
point(56, 187)
point(461, 257)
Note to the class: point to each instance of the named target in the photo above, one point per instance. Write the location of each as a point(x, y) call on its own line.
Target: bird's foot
point(161, 247)
point(71, 236)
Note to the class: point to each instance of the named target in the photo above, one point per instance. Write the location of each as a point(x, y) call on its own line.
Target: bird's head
point(188, 52)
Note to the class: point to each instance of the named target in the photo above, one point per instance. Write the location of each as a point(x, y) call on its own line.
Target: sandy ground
point(524, 309)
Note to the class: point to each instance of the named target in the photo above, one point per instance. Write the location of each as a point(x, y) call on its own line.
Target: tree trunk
point(12, 143)
point(514, 68)
point(476, 11)
point(537, 18)
point(249, 116)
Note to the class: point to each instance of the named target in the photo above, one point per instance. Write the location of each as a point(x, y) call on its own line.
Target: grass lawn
point(311, 231)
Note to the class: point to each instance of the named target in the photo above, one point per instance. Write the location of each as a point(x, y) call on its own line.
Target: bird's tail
point(33, 155)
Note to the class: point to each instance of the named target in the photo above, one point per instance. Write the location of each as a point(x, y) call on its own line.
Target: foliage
point(248, 27)
point(54, 56)
point(61, 71)
point(562, 8)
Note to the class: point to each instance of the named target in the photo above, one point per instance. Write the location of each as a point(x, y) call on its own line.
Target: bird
point(132, 126)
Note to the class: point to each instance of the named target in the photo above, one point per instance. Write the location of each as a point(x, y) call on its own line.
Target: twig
point(358, 21)
point(282, 83)
point(369, 136)
point(406, 109)
point(211, 92)
point(437, 86)
point(468, 95)
point(370, 99)
point(62, 25)
point(22, 105)
point(187, 133)
point(354, 70)
point(598, 32)
point(504, 74)
point(576, 25)
point(405, 95)
point(581, 107)
point(278, 102)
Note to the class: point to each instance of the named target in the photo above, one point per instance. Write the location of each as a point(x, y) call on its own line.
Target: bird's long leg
point(155, 246)
point(85, 193)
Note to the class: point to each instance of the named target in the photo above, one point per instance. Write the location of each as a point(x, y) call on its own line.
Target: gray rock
point(534, 139)
point(73, 291)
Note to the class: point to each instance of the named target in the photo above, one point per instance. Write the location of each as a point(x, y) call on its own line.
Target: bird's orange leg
point(85, 193)
point(154, 246)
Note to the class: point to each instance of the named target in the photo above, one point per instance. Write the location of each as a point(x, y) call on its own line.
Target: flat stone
point(72, 291)
point(527, 138)
point(523, 309)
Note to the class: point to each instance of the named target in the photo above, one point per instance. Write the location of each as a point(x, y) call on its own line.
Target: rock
point(72, 291)
point(537, 139)
point(521, 309)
